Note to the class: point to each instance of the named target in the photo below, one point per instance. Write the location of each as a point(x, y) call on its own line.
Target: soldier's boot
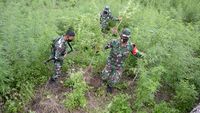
point(54, 77)
point(109, 89)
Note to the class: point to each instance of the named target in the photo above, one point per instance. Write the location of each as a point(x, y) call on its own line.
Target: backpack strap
point(53, 46)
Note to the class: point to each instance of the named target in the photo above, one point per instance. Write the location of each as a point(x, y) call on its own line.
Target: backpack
point(53, 46)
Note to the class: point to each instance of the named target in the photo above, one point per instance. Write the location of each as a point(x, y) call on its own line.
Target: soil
point(49, 97)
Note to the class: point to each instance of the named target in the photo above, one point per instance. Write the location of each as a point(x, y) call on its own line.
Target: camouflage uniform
point(113, 69)
point(105, 17)
point(58, 52)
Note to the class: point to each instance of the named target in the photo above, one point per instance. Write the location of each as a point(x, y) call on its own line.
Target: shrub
point(77, 97)
point(120, 104)
point(185, 96)
point(163, 107)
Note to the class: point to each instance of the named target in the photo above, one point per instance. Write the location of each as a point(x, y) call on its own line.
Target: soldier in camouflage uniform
point(120, 50)
point(59, 47)
point(105, 17)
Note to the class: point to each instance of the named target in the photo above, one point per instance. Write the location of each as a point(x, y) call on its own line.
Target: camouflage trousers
point(111, 75)
point(57, 68)
point(104, 27)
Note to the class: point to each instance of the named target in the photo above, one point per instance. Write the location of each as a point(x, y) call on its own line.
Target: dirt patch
point(49, 97)
point(163, 93)
point(96, 103)
point(48, 105)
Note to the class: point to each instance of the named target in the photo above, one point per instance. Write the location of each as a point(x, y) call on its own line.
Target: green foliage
point(23, 50)
point(168, 44)
point(166, 30)
point(163, 107)
point(76, 82)
point(77, 97)
point(186, 10)
point(120, 104)
point(18, 99)
point(144, 111)
point(121, 85)
point(185, 96)
point(147, 85)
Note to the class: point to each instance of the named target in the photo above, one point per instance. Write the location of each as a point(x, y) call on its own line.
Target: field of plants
point(166, 80)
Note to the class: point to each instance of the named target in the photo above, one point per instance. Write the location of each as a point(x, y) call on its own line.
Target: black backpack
point(53, 46)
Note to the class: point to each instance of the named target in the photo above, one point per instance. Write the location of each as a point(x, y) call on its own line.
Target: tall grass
point(166, 30)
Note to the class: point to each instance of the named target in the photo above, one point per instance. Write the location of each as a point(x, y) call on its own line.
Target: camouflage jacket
point(59, 49)
point(119, 53)
point(104, 19)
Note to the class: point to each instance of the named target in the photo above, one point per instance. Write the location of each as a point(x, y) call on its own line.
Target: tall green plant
point(185, 96)
point(77, 97)
point(120, 104)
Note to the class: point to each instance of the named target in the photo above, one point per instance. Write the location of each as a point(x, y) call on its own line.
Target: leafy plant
point(147, 86)
point(120, 104)
point(185, 96)
point(167, 31)
point(77, 97)
point(163, 107)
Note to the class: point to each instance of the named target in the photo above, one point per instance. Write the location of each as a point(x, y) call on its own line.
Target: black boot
point(109, 89)
point(53, 79)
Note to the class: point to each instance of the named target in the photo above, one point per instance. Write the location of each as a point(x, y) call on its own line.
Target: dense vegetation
point(168, 31)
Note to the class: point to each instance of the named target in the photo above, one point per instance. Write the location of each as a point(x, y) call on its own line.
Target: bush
point(147, 85)
point(77, 97)
point(120, 104)
point(163, 107)
point(185, 96)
